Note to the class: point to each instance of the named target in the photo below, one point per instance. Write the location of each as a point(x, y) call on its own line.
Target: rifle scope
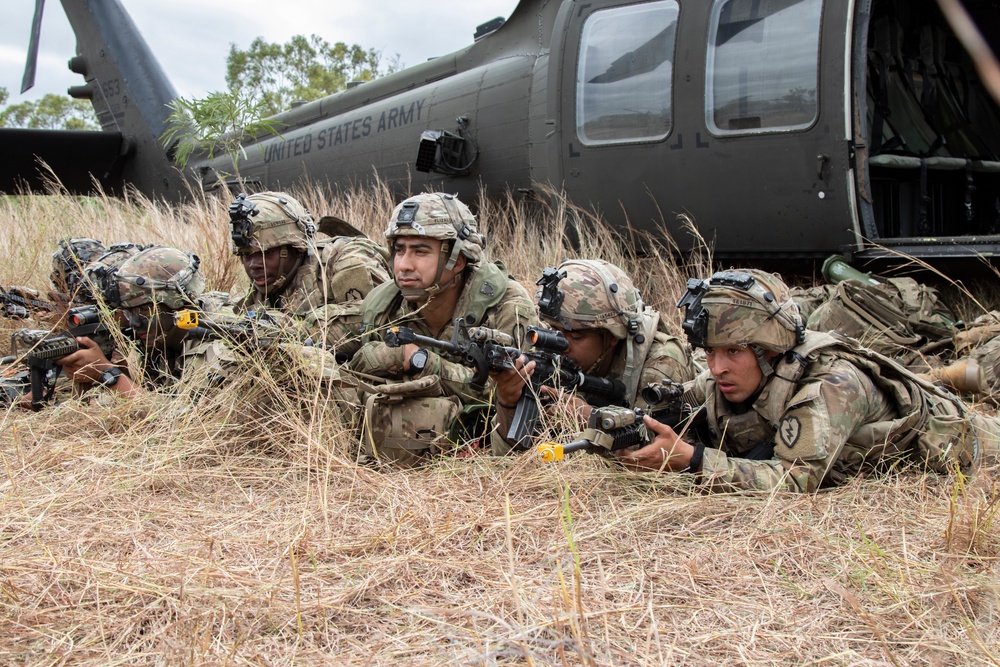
point(661, 393)
point(548, 340)
point(84, 315)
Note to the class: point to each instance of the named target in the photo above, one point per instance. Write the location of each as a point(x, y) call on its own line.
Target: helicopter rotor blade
point(36, 30)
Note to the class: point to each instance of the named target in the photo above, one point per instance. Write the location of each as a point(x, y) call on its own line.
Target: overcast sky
point(191, 38)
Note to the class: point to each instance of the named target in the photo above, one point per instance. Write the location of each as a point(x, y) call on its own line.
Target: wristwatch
point(417, 362)
point(110, 377)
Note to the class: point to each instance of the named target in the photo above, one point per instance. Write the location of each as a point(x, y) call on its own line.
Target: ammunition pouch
point(405, 423)
point(949, 438)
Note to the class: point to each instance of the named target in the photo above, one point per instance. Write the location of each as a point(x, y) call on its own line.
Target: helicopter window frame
point(622, 29)
point(769, 64)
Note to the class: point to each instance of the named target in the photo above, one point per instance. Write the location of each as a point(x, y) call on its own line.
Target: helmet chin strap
point(275, 288)
point(427, 293)
point(609, 349)
point(765, 366)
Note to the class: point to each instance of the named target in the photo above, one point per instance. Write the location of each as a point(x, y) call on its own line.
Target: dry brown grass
point(159, 532)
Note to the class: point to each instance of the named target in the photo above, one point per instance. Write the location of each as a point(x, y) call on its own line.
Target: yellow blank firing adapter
point(550, 452)
point(186, 319)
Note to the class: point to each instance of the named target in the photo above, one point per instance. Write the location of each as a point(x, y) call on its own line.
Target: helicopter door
point(713, 109)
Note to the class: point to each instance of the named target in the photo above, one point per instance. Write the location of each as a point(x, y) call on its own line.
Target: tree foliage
point(302, 69)
point(51, 112)
point(218, 123)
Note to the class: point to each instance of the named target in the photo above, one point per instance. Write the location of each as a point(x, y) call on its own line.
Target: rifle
point(40, 349)
point(609, 429)
point(254, 329)
point(555, 370)
point(12, 385)
point(479, 348)
point(612, 428)
point(17, 305)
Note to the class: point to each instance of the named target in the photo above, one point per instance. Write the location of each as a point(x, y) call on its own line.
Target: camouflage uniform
point(598, 295)
point(334, 275)
point(897, 317)
point(489, 298)
point(166, 279)
point(980, 343)
point(170, 279)
point(826, 408)
point(74, 267)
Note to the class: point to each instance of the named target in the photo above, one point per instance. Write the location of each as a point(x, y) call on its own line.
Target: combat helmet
point(740, 309)
point(100, 268)
point(438, 216)
point(268, 220)
point(69, 261)
point(159, 274)
point(590, 294)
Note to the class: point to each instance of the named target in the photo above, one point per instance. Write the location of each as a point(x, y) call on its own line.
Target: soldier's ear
point(460, 263)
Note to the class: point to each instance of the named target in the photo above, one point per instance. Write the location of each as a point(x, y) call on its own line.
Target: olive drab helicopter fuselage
point(783, 128)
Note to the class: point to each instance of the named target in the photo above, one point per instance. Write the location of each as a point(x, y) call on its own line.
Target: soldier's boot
point(964, 376)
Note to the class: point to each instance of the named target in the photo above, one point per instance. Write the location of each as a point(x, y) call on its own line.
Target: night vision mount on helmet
point(266, 220)
point(595, 295)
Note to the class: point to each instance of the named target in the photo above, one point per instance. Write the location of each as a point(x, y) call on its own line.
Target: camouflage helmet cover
point(267, 220)
point(595, 295)
point(748, 307)
point(158, 274)
point(100, 268)
point(438, 216)
point(69, 260)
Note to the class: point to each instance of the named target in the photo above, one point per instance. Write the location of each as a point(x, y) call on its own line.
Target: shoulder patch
point(487, 289)
point(789, 430)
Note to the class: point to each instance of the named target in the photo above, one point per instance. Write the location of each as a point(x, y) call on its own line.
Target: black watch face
point(110, 377)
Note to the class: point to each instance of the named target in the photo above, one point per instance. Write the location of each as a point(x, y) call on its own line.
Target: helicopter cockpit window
point(623, 85)
point(763, 66)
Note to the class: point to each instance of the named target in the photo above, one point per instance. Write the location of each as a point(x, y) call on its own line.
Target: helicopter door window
point(763, 66)
point(623, 85)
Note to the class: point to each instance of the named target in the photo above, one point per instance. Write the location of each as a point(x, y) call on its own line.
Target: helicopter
point(786, 129)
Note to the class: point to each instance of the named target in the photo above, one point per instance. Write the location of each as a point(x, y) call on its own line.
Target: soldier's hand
point(666, 452)
point(565, 402)
point(510, 384)
point(86, 364)
point(377, 358)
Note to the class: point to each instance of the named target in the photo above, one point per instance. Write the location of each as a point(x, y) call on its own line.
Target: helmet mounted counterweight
point(70, 260)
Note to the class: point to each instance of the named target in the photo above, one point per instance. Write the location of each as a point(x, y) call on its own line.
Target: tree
point(214, 124)
point(51, 112)
point(301, 69)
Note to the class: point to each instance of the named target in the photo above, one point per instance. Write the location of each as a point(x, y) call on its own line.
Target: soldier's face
point(586, 346)
point(263, 268)
point(735, 370)
point(151, 324)
point(415, 262)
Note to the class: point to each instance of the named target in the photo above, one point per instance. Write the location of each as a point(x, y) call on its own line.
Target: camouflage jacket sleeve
point(828, 427)
point(513, 315)
point(353, 267)
point(667, 358)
